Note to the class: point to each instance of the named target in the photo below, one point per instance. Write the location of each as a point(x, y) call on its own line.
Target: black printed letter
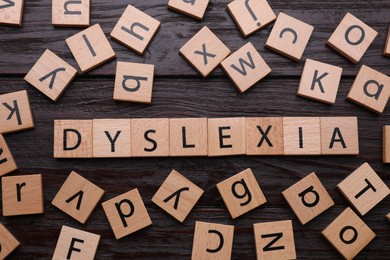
point(120, 212)
point(246, 193)
point(177, 195)
point(315, 193)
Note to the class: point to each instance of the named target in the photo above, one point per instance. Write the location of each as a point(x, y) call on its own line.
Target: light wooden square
point(22, 195)
point(352, 38)
point(126, 213)
point(264, 135)
point(251, 16)
point(339, 135)
point(274, 240)
point(289, 36)
point(78, 197)
point(388, 216)
point(70, 13)
point(245, 67)
point(193, 8)
point(320, 81)
point(188, 137)
point(212, 241)
point(134, 82)
point(11, 12)
point(76, 244)
point(241, 193)
point(364, 189)
point(90, 48)
point(73, 139)
point(302, 135)
point(204, 51)
point(51, 75)
point(7, 162)
point(111, 138)
point(308, 198)
point(348, 234)
point(135, 29)
point(177, 196)
point(371, 89)
point(15, 112)
point(386, 144)
point(7, 241)
point(386, 51)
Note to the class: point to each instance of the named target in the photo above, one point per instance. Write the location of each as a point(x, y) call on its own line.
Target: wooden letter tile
point(371, 89)
point(177, 196)
point(90, 48)
point(251, 16)
point(274, 240)
point(51, 75)
point(70, 13)
point(135, 29)
point(78, 197)
point(364, 189)
point(193, 8)
point(212, 241)
point(352, 38)
point(204, 51)
point(241, 193)
point(134, 82)
point(386, 52)
point(22, 195)
point(11, 12)
point(76, 244)
point(7, 162)
point(348, 234)
point(289, 36)
point(386, 144)
point(126, 213)
point(245, 67)
point(8, 243)
point(308, 198)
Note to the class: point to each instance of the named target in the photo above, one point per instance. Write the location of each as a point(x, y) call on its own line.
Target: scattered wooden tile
point(126, 213)
point(264, 135)
point(51, 75)
point(302, 135)
point(134, 82)
point(289, 36)
point(8, 243)
point(188, 137)
point(251, 16)
point(388, 216)
point(204, 51)
point(177, 196)
point(364, 189)
point(241, 193)
point(245, 67)
point(308, 198)
point(193, 8)
point(226, 136)
point(7, 162)
point(386, 51)
point(386, 144)
point(274, 240)
point(15, 112)
point(22, 195)
point(76, 244)
point(78, 197)
point(111, 138)
point(348, 234)
point(90, 48)
point(73, 139)
point(212, 241)
point(11, 12)
point(371, 89)
point(352, 38)
point(70, 13)
point(320, 81)
point(135, 29)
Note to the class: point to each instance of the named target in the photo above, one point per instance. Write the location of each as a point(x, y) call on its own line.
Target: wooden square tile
point(245, 67)
point(386, 144)
point(177, 196)
point(126, 213)
point(78, 197)
point(212, 241)
point(134, 82)
point(90, 48)
point(388, 216)
point(371, 89)
point(51, 75)
point(386, 51)
point(22, 195)
point(320, 81)
point(7, 241)
point(274, 240)
point(204, 51)
point(193, 8)
point(348, 234)
point(364, 189)
point(289, 36)
point(241, 193)
point(352, 38)
point(7, 162)
point(70, 13)
point(135, 29)
point(11, 12)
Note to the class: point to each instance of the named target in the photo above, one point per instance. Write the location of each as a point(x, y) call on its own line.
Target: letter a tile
point(70, 13)
point(11, 12)
point(8, 243)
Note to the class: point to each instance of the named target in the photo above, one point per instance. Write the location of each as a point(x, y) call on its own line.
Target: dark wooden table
point(180, 92)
